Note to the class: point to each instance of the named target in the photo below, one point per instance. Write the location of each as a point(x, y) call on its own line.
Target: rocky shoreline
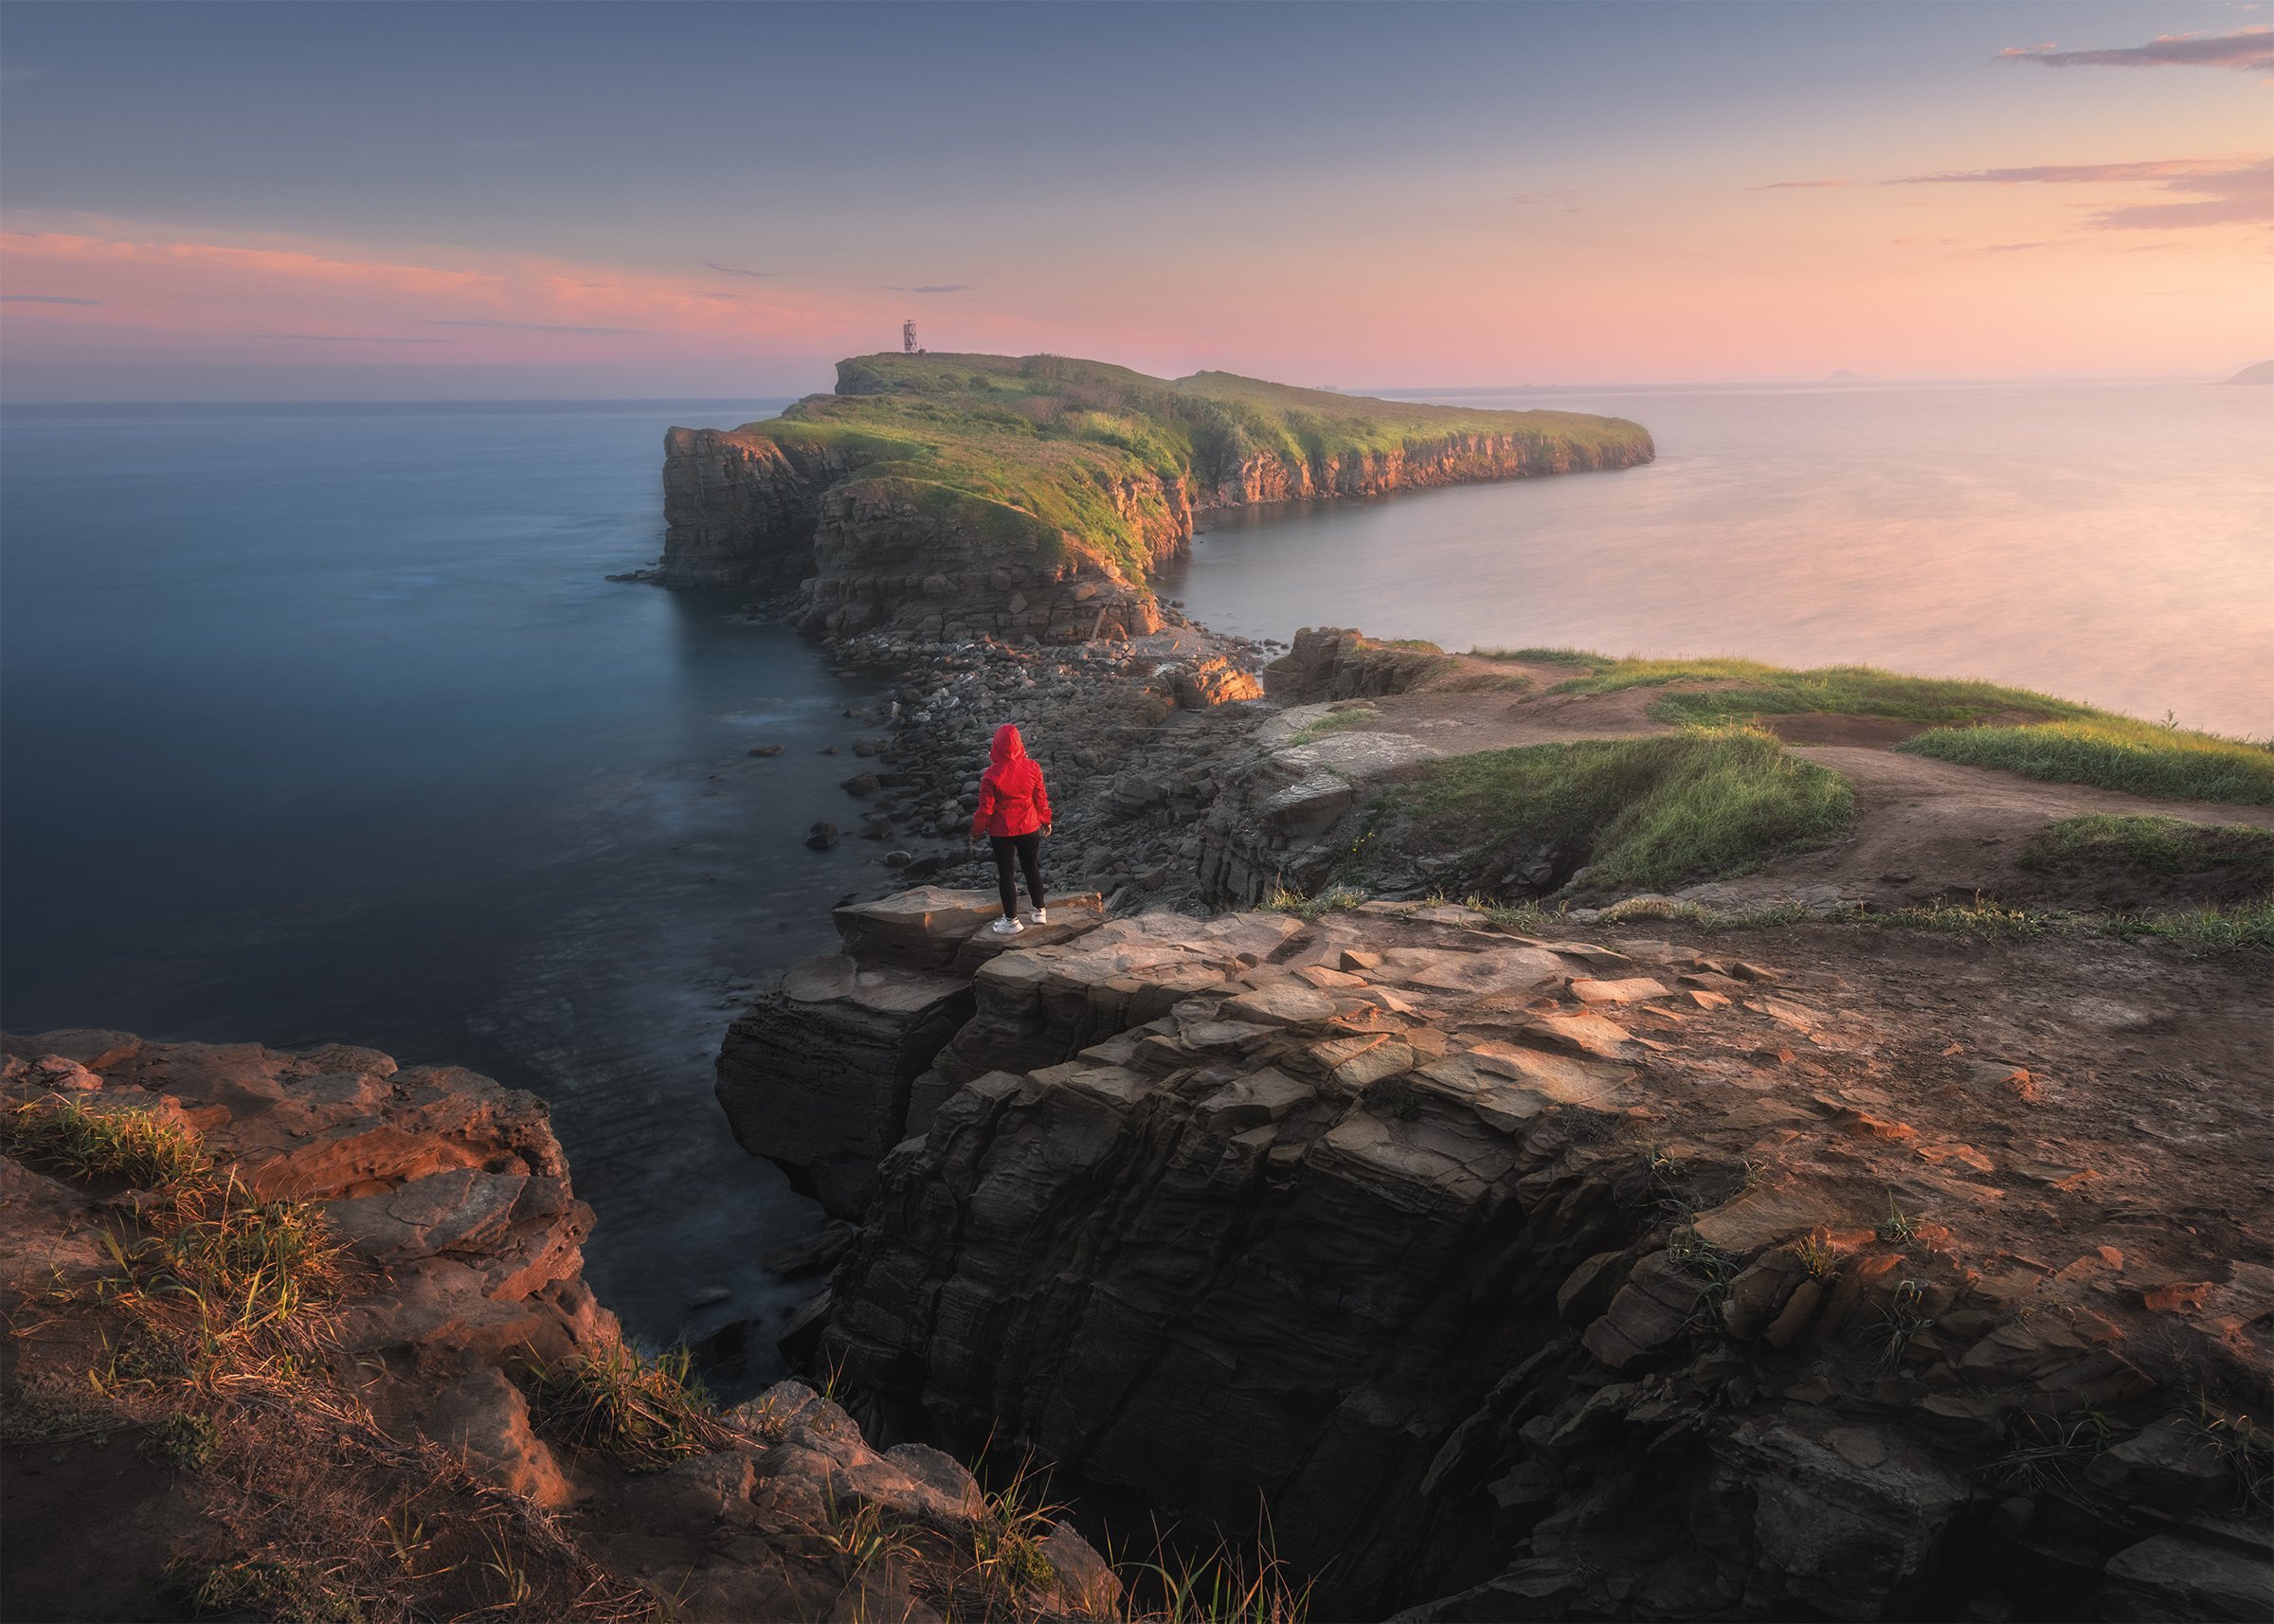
point(1524, 1274)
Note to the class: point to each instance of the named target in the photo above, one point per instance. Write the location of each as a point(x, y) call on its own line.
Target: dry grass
point(627, 1404)
point(66, 1137)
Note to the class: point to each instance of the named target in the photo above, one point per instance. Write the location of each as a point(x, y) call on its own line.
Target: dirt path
point(1928, 830)
point(1924, 830)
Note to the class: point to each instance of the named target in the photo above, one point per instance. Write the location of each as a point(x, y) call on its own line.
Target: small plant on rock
point(189, 1440)
point(1895, 1228)
point(625, 1403)
point(2246, 1450)
point(1816, 1255)
point(76, 1140)
point(1904, 1318)
point(865, 1534)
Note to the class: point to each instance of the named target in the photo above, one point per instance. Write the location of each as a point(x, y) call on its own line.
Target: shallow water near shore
point(324, 724)
point(2107, 543)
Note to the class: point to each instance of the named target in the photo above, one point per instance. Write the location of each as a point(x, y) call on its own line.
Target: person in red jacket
point(1014, 814)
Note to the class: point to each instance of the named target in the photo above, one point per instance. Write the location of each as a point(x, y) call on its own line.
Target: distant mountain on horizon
point(1842, 375)
point(2261, 373)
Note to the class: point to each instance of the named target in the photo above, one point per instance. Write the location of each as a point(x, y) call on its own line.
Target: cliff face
point(1537, 1279)
point(952, 496)
point(741, 508)
point(1459, 460)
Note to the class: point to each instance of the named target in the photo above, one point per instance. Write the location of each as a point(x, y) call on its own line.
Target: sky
point(527, 199)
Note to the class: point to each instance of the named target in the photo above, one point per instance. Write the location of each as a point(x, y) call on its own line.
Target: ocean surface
point(2109, 543)
point(324, 724)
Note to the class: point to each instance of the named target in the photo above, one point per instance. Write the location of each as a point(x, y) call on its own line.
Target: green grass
point(1976, 724)
point(1649, 813)
point(2115, 752)
point(2160, 845)
point(1335, 722)
point(2212, 929)
point(1034, 451)
point(1770, 690)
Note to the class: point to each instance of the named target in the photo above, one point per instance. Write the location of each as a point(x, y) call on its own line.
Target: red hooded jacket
point(1011, 798)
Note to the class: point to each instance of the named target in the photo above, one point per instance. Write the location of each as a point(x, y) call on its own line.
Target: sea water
point(324, 724)
point(2111, 543)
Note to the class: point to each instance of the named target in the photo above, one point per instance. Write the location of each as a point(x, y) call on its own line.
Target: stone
point(1646, 1314)
point(767, 749)
point(1634, 989)
point(2172, 1463)
point(821, 836)
point(2167, 1576)
point(1794, 1318)
point(1854, 1540)
point(483, 1418)
point(815, 1075)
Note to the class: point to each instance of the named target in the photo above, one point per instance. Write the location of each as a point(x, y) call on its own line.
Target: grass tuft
point(1335, 899)
point(1768, 690)
point(1639, 814)
point(625, 1403)
point(2163, 845)
point(62, 1135)
point(2115, 753)
point(1335, 722)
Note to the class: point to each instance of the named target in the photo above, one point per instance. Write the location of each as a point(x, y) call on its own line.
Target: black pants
point(1029, 849)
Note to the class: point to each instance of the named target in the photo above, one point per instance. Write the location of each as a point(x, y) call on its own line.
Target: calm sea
point(322, 723)
point(2110, 543)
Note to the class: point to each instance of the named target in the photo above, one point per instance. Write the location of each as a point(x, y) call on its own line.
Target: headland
point(948, 497)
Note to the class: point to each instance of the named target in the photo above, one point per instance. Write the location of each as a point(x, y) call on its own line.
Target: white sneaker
point(1006, 927)
point(1038, 916)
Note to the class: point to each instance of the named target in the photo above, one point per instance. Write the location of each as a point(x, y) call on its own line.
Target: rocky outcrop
point(1335, 662)
point(397, 1444)
point(825, 1071)
point(1529, 1278)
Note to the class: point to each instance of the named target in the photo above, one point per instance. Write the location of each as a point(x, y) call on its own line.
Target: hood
point(1008, 746)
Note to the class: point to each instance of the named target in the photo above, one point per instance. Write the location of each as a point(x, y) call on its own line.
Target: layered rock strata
point(830, 1068)
point(1547, 1280)
point(413, 1412)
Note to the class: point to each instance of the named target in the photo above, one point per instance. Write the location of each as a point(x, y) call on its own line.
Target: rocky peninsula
point(948, 496)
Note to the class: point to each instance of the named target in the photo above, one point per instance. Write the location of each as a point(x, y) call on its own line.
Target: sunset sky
point(421, 201)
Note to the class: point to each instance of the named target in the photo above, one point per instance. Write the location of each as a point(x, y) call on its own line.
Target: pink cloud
point(2249, 50)
point(1794, 185)
point(2215, 191)
point(484, 308)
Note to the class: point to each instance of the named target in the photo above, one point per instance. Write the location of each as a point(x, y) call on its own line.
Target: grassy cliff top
point(1034, 448)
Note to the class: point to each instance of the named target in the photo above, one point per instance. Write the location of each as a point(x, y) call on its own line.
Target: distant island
point(2261, 373)
point(1036, 495)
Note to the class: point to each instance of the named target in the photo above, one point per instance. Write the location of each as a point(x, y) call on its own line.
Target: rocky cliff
point(1546, 1278)
point(951, 496)
point(305, 1335)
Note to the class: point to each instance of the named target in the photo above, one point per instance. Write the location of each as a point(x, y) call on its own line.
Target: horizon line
point(1371, 391)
